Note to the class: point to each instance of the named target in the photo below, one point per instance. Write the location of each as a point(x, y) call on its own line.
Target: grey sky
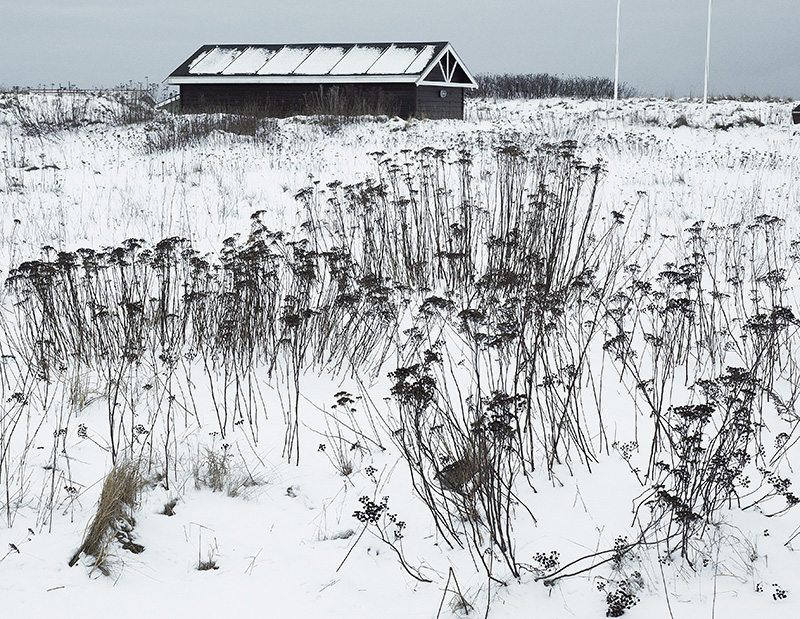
point(754, 45)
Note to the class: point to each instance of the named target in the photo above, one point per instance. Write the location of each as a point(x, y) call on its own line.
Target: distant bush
point(543, 85)
point(747, 119)
point(680, 121)
point(46, 112)
point(748, 98)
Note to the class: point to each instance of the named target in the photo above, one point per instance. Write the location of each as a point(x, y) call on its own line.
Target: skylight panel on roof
point(357, 61)
point(321, 61)
point(394, 61)
point(285, 61)
point(215, 61)
point(250, 61)
point(422, 60)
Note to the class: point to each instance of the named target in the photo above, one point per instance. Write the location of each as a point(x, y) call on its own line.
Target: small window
point(443, 93)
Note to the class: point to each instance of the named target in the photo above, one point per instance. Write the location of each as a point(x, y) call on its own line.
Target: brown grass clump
point(114, 516)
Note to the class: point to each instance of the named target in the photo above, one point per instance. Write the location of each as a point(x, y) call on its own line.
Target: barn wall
point(431, 105)
point(289, 99)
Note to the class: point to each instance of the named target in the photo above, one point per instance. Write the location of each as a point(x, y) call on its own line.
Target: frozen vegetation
point(541, 362)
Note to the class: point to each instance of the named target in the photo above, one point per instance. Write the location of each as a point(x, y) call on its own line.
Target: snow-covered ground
point(249, 369)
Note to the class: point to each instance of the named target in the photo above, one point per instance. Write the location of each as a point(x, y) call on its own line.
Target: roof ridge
point(327, 44)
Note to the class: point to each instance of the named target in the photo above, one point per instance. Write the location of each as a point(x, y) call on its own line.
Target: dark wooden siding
point(289, 99)
point(430, 103)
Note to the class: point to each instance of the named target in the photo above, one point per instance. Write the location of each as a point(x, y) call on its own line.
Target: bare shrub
point(171, 132)
point(340, 105)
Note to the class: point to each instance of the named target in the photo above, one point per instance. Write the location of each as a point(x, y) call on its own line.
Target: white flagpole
point(708, 55)
point(616, 61)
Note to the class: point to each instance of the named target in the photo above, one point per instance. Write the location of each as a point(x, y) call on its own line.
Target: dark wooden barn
point(796, 115)
point(426, 80)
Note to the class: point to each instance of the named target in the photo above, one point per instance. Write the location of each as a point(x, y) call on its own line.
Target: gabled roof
point(435, 64)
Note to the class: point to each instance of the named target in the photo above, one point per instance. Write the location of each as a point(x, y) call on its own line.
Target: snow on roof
point(250, 61)
point(321, 61)
point(285, 61)
point(422, 59)
point(394, 61)
point(214, 61)
point(357, 60)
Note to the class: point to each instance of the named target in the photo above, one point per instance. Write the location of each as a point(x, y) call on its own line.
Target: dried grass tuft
point(118, 500)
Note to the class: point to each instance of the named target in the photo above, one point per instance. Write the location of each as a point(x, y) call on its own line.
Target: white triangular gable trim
point(448, 69)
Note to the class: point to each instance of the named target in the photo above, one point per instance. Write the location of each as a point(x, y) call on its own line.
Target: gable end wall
point(431, 105)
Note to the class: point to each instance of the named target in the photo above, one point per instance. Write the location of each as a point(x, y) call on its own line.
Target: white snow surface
point(289, 545)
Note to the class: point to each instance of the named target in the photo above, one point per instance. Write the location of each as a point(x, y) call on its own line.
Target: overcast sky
point(755, 44)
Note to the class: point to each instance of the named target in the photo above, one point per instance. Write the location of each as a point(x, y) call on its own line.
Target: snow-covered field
point(541, 362)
